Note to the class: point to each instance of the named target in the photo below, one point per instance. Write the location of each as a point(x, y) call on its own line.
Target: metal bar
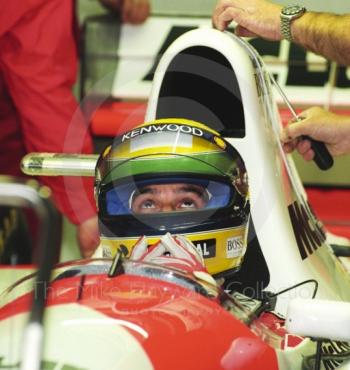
point(57, 164)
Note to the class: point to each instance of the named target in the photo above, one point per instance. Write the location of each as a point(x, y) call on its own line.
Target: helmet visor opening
point(175, 194)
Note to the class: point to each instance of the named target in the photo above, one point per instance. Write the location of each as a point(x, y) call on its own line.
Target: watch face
point(292, 10)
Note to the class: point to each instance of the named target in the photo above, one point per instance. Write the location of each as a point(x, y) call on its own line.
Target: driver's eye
point(147, 204)
point(187, 203)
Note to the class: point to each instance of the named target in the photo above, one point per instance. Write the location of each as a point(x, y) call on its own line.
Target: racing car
point(211, 103)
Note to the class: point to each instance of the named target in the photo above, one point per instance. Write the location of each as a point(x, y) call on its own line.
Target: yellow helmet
point(177, 176)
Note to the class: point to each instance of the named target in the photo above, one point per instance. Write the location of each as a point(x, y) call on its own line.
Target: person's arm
point(325, 34)
point(131, 11)
point(13, 11)
point(330, 128)
point(88, 236)
point(39, 69)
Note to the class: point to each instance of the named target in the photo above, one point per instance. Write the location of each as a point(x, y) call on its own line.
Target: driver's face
point(169, 198)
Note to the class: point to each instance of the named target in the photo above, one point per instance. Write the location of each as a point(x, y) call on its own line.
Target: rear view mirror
point(319, 319)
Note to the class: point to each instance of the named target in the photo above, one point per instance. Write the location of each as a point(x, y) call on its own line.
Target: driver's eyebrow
point(145, 190)
point(185, 188)
point(189, 188)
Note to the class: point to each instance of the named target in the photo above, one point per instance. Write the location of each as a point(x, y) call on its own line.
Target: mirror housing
point(319, 319)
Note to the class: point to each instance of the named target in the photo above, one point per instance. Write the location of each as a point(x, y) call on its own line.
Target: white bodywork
point(271, 189)
point(319, 319)
point(70, 329)
point(139, 47)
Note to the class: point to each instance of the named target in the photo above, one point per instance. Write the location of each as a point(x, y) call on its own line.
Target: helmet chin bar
point(219, 234)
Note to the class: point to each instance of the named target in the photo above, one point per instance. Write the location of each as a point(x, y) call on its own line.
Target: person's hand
point(88, 236)
point(131, 11)
point(321, 125)
point(174, 252)
point(254, 17)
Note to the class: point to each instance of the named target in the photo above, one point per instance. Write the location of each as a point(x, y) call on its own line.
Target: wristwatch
point(288, 14)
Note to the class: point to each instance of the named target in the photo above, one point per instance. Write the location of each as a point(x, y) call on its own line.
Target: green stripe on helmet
point(218, 163)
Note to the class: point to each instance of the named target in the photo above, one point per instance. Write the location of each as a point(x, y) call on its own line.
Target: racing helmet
point(177, 176)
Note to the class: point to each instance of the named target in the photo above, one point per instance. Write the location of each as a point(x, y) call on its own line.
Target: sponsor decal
point(333, 355)
point(291, 65)
point(234, 247)
point(308, 234)
point(172, 127)
point(342, 349)
point(207, 247)
point(174, 33)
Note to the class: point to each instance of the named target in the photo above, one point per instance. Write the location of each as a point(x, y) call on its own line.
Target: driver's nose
point(167, 207)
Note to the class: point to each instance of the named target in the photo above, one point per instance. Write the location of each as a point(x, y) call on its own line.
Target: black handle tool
point(322, 158)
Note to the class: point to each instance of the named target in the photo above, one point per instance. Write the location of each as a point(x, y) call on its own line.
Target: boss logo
point(234, 247)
